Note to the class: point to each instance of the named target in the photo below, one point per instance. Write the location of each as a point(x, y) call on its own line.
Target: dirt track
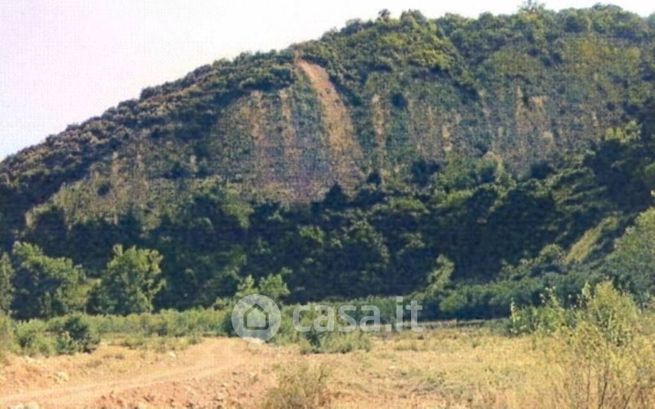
point(217, 373)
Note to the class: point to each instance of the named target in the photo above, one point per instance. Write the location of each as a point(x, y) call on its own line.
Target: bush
point(76, 334)
point(165, 323)
point(33, 338)
point(301, 387)
point(338, 343)
point(603, 357)
point(548, 318)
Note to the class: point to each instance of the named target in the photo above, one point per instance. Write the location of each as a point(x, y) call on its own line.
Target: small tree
point(532, 6)
point(247, 286)
point(130, 283)
point(274, 287)
point(45, 287)
point(6, 286)
point(271, 286)
point(384, 15)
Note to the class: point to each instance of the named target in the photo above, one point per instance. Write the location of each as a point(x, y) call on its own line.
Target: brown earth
point(344, 150)
point(217, 373)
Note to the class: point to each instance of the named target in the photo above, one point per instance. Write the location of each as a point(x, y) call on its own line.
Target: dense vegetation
point(465, 235)
point(478, 162)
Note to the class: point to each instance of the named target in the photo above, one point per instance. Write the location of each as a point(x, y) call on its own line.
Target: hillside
point(489, 141)
point(373, 96)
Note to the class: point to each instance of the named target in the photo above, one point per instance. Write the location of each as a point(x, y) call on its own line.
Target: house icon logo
point(256, 317)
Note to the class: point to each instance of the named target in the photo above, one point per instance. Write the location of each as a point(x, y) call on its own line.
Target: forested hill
point(482, 140)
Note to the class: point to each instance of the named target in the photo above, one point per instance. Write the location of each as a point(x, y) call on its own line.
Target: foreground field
point(445, 368)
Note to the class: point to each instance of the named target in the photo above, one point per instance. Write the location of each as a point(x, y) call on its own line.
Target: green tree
point(6, 286)
point(358, 260)
point(247, 286)
point(274, 287)
point(202, 244)
point(130, 283)
point(384, 15)
point(532, 6)
point(45, 286)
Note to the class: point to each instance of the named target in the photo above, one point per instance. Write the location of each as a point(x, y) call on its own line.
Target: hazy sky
point(64, 61)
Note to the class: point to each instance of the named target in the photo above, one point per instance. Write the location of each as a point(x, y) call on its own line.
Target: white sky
point(64, 61)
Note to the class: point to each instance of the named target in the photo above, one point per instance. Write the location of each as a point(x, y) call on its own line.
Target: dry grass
point(479, 368)
point(300, 387)
point(446, 368)
point(450, 368)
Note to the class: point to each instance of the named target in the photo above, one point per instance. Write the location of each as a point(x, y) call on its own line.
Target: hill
point(348, 164)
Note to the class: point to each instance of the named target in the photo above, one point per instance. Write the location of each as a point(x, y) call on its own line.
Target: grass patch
point(300, 387)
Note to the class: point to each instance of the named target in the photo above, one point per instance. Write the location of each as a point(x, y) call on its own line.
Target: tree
point(130, 283)
point(532, 6)
point(6, 286)
point(45, 286)
point(271, 286)
point(357, 260)
point(274, 287)
point(202, 243)
point(413, 16)
point(246, 287)
point(384, 15)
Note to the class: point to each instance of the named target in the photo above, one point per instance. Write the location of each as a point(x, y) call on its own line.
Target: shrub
point(338, 343)
point(300, 387)
point(165, 323)
point(604, 358)
point(33, 338)
point(69, 335)
point(76, 334)
point(548, 318)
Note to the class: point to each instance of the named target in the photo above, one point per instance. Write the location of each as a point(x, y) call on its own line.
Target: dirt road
point(216, 373)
